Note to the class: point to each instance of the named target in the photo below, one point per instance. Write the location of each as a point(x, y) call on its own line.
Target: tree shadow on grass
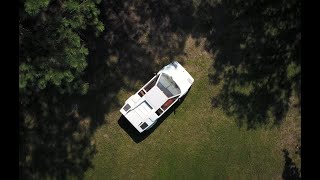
point(144, 31)
point(54, 144)
point(139, 137)
point(257, 56)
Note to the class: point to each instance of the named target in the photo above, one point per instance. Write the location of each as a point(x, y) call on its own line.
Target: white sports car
point(144, 108)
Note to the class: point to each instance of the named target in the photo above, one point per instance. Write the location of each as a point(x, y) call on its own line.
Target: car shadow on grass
point(139, 137)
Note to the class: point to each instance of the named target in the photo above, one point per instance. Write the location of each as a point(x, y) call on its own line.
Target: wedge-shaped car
point(144, 108)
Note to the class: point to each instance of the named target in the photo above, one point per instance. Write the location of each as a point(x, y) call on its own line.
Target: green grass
point(197, 142)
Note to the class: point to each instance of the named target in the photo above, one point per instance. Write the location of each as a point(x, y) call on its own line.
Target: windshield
point(168, 86)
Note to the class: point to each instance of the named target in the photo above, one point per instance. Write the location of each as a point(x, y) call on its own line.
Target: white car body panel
point(156, 97)
point(179, 75)
point(143, 109)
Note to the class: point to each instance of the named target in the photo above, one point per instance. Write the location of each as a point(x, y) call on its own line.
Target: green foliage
point(33, 7)
point(25, 74)
point(53, 53)
point(84, 88)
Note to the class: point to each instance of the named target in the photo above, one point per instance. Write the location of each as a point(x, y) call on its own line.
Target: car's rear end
point(138, 116)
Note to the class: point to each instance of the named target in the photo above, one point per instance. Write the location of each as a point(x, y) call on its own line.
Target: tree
point(52, 52)
point(52, 59)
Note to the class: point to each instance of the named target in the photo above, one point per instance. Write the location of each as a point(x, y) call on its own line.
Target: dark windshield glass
point(168, 86)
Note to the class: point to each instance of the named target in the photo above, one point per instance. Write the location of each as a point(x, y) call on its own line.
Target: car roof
point(156, 97)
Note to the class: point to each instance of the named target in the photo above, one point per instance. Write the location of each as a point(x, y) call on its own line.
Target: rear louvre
point(143, 110)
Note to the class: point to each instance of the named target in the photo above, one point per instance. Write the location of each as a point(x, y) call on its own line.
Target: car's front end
point(180, 75)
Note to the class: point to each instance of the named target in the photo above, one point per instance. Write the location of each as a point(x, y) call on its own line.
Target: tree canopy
point(52, 52)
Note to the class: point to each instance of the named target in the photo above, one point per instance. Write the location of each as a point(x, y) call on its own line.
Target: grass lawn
point(195, 142)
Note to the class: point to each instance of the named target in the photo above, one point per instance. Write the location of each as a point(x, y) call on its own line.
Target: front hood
point(183, 79)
